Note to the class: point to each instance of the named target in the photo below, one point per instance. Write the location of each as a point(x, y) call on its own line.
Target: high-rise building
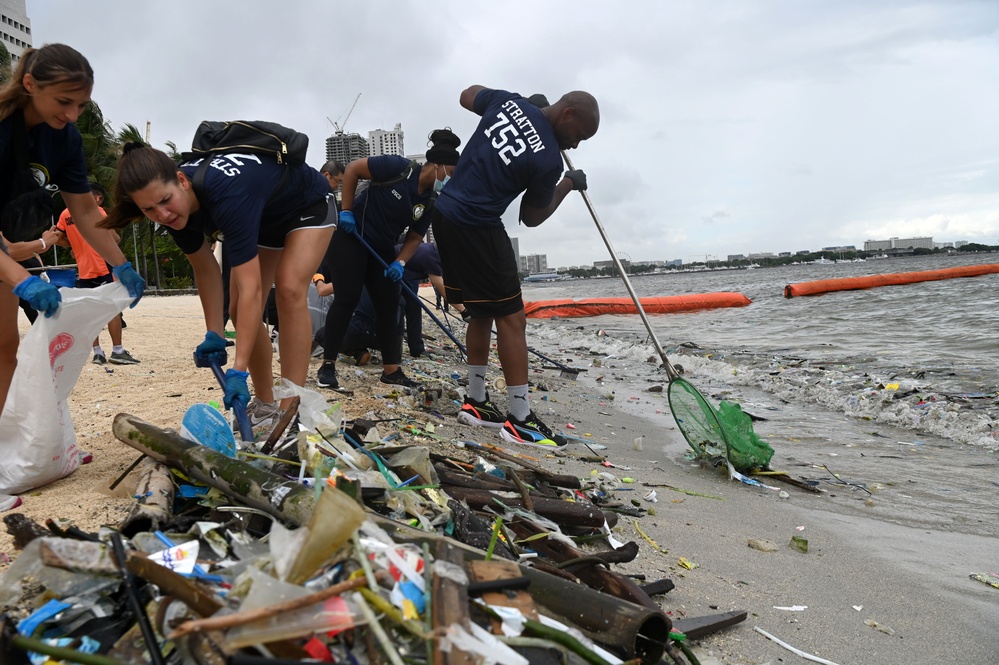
point(345, 148)
point(516, 249)
point(15, 28)
point(384, 142)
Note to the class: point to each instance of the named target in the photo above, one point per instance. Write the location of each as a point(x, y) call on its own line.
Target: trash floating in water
point(992, 579)
point(799, 544)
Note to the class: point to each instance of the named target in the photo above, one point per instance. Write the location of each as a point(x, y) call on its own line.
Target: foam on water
point(882, 397)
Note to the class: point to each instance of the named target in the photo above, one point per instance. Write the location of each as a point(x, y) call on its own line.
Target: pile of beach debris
point(327, 541)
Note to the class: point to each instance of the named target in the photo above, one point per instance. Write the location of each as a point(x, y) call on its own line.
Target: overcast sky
point(726, 127)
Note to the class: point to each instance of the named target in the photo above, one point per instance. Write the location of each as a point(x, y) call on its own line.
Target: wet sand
point(916, 602)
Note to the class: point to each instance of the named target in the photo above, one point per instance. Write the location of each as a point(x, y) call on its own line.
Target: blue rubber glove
point(347, 222)
point(40, 294)
point(235, 388)
point(132, 281)
point(213, 348)
point(394, 271)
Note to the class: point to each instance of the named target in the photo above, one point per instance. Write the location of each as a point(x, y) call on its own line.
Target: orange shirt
point(89, 264)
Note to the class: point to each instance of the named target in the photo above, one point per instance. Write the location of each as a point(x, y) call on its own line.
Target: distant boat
point(822, 259)
point(543, 277)
point(752, 265)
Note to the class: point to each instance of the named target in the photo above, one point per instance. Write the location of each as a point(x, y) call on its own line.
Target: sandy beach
point(871, 591)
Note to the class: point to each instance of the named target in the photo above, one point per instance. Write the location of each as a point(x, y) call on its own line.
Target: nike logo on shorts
point(305, 219)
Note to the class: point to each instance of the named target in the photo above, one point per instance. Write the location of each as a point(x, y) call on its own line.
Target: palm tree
point(99, 145)
point(5, 70)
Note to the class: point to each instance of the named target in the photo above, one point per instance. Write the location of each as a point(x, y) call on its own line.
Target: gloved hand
point(40, 294)
point(394, 271)
point(578, 179)
point(132, 281)
point(539, 100)
point(347, 222)
point(213, 348)
point(235, 388)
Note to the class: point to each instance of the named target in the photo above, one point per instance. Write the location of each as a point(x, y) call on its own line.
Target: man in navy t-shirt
point(514, 150)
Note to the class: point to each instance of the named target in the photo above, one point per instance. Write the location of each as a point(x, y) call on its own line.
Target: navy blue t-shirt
point(514, 149)
point(236, 202)
point(383, 212)
point(55, 156)
point(426, 260)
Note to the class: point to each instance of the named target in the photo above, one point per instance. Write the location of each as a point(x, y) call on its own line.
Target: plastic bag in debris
point(313, 411)
point(333, 614)
point(57, 581)
point(36, 427)
point(416, 458)
point(746, 450)
point(300, 554)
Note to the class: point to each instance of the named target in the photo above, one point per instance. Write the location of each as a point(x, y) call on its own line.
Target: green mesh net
point(722, 432)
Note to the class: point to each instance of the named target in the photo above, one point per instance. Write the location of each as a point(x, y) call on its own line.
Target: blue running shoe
point(531, 432)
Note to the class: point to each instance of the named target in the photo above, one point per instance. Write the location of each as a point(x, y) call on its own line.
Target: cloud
point(815, 123)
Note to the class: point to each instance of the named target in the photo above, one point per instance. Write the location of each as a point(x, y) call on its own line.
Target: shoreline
point(910, 580)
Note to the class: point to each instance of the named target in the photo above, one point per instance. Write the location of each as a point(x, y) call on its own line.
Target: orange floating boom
point(547, 309)
point(891, 279)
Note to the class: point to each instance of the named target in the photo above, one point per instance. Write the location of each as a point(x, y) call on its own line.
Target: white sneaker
point(8, 502)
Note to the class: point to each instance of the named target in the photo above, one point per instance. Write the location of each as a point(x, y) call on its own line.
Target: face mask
point(439, 184)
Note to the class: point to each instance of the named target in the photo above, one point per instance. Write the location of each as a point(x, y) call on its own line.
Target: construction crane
point(336, 125)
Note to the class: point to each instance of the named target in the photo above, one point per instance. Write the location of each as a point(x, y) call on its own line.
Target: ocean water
point(893, 390)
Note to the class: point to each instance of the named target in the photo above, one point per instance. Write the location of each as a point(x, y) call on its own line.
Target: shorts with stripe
point(479, 267)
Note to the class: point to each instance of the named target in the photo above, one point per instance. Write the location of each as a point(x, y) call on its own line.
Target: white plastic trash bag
point(37, 439)
point(318, 307)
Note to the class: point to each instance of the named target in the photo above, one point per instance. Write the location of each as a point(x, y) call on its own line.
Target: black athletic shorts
point(479, 267)
point(94, 282)
point(321, 214)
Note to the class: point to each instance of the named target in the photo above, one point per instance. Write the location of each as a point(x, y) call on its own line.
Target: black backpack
point(256, 137)
point(253, 136)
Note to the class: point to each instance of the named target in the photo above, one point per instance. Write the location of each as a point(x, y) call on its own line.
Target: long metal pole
point(670, 370)
point(405, 286)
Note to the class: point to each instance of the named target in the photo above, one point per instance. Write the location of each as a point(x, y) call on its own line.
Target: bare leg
point(477, 338)
point(114, 329)
point(511, 343)
point(295, 266)
point(261, 355)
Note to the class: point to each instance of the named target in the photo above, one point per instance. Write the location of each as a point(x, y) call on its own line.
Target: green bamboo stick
point(62, 653)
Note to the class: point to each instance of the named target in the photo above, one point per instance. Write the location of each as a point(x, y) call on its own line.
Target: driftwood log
point(557, 510)
point(153, 505)
point(284, 499)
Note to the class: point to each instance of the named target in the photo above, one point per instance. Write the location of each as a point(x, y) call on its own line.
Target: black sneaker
point(531, 432)
point(123, 358)
point(326, 376)
point(397, 378)
point(99, 359)
point(484, 413)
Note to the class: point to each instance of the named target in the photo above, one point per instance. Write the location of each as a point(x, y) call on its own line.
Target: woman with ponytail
point(41, 153)
point(275, 221)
